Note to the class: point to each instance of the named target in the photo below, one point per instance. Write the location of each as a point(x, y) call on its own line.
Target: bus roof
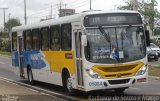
point(67, 19)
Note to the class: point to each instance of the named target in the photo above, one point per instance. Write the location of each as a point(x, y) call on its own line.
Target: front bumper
point(102, 84)
point(152, 57)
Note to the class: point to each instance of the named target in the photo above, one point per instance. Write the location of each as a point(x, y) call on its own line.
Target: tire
point(119, 90)
point(30, 76)
point(68, 85)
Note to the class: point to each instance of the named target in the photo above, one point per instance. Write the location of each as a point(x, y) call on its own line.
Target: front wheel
point(68, 85)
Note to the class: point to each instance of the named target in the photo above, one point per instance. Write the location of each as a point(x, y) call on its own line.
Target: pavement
point(12, 92)
point(33, 93)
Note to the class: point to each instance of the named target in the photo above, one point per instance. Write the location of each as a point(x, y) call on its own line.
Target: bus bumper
point(102, 84)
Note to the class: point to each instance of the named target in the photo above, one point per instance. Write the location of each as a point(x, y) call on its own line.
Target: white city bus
point(89, 51)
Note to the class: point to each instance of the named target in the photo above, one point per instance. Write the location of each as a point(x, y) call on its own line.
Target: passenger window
point(66, 37)
point(36, 39)
point(28, 40)
point(55, 38)
point(45, 38)
point(14, 41)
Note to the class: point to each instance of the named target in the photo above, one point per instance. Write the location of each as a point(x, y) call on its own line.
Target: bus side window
point(45, 38)
point(36, 39)
point(14, 41)
point(66, 37)
point(27, 40)
point(55, 37)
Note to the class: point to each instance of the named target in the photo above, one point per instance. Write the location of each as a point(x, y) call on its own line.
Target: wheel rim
point(69, 84)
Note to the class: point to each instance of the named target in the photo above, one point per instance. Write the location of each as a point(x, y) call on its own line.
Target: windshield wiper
point(122, 38)
point(107, 37)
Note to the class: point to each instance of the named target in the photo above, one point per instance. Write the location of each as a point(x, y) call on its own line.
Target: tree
point(146, 8)
point(5, 43)
point(12, 23)
point(129, 5)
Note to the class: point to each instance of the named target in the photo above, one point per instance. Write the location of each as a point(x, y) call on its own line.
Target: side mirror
point(84, 40)
point(147, 38)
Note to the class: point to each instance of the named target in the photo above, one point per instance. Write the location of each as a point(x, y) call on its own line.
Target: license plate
point(151, 56)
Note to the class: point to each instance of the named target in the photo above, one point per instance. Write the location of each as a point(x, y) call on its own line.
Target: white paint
point(134, 88)
point(66, 19)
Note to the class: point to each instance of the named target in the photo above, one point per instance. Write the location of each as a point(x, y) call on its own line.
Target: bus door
point(21, 69)
point(78, 52)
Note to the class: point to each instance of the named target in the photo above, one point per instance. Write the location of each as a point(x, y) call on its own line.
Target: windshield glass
point(152, 45)
point(125, 44)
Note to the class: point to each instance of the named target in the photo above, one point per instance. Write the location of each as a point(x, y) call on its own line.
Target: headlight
point(93, 74)
point(142, 70)
point(156, 53)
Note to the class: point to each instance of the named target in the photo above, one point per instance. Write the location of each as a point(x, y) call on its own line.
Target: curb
point(157, 66)
point(5, 56)
point(154, 77)
point(41, 90)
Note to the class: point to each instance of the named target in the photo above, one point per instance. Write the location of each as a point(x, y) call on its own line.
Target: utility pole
point(51, 12)
point(60, 5)
point(25, 13)
point(90, 5)
point(4, 9)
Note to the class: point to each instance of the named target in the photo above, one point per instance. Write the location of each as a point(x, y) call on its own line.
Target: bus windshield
point(125, 44)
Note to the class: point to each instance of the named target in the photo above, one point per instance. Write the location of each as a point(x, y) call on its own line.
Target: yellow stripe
point(58, 61)
point(121, 70)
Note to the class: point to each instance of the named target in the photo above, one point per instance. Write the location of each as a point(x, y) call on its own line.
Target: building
point(66, 12)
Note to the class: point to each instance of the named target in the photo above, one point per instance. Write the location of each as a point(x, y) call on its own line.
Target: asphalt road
point(152, 88)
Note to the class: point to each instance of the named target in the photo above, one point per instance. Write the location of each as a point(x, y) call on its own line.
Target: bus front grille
point(114, 82)
point(117, 75)
point(118, 70)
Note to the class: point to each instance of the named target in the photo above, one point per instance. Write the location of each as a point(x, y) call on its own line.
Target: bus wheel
point(68, 85)
point(30, 76)
point(119, 90)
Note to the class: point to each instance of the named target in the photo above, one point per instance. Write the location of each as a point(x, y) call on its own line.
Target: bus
point(94, 50)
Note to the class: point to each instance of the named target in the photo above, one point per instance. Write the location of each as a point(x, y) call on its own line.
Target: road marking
point(134, 88)
point(2, 63)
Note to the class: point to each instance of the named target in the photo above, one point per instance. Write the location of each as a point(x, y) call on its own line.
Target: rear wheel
point(30, 76)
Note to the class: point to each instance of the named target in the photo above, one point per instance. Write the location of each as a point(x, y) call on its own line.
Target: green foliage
point(146, 8)
point(157, 31)
point(128, 6)
point(5, 46)
point(155, 42)
point(12, 23)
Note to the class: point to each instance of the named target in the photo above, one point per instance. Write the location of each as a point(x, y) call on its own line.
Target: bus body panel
point(47, 65)
point(15, 59)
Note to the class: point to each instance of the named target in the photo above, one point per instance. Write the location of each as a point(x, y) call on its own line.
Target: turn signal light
point(141, 80)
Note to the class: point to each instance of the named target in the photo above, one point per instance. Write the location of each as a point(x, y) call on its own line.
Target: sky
point(40, 9)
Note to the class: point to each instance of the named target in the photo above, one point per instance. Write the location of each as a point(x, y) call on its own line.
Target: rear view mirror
point(147, 37)
point(84, 40)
